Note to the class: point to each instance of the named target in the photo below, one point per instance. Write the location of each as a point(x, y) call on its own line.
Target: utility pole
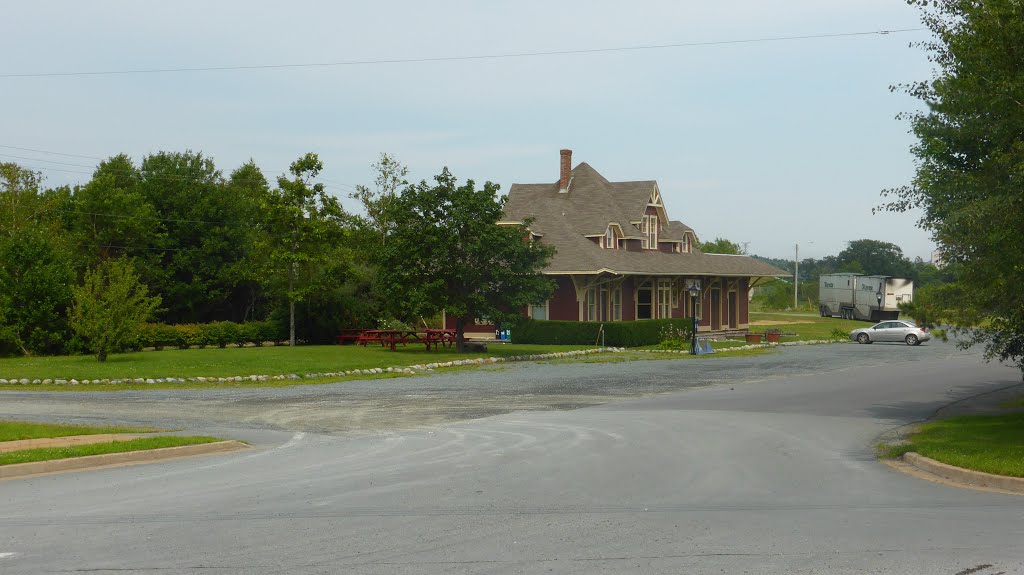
point(796, 274)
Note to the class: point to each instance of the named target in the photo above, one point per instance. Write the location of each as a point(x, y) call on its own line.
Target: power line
point(373, 62)
point(334, 184)
point(52, 153)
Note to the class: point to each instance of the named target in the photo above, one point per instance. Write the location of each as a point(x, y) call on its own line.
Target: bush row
point(218, 333)
point(617, 334)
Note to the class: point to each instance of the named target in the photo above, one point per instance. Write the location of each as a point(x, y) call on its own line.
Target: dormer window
point(649, 228)
point(610, 241)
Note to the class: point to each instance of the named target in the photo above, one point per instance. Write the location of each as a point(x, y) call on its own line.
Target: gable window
point(649, 229)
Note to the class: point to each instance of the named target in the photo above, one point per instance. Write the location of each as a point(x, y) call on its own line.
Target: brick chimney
point(565, 171)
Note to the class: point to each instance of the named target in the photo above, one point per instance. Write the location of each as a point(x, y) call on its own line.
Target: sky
point(767, 143)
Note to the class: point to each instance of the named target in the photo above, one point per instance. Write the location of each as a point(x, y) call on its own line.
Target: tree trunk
point(101, 355)
point(291, 305)
point(460, 334)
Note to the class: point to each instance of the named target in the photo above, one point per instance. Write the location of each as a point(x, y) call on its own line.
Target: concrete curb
point(116, 459)
point(963, 476)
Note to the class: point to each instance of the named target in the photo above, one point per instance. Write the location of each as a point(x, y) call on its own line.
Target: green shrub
point(838, 334)
point(617, 334)
point(221, 333)
point(267, 331)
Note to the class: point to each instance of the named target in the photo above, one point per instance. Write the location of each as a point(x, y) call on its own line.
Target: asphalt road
point(730, 465)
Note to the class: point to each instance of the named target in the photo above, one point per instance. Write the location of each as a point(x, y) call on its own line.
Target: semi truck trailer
point(868, 298)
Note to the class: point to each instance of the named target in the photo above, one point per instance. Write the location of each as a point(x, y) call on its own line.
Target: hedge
point(218, 333)
point(617, 334)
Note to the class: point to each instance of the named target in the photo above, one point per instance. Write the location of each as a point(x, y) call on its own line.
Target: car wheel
point(912, 340)
point(863, 338)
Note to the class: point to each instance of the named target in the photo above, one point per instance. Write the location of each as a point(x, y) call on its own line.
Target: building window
point(590, 305)
point(539, 311)
point(651, 231)
point(664, 298)
point(644, 303)
point(610, 241)
point(617, 304)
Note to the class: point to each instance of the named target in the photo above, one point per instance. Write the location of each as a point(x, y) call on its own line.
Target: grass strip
point(17, 430)
point(989, 443)
point(142, 444)
point(216, 362)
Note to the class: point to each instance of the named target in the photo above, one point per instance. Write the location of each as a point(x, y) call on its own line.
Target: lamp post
point(878, 297)
point(694, 290)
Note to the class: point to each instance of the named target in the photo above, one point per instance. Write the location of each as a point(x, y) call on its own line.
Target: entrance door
point(716, 309)
point(733, 310)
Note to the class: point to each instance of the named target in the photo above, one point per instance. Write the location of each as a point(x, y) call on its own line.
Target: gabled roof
point(589, 206)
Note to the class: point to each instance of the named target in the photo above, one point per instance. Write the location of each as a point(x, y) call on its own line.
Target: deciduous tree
point(379, 202)
point(110, 306)
point(446, 252)
point(970, 163)
point(720, 246)
point(303, 236)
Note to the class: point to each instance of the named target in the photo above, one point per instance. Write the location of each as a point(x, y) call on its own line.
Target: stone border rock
point(407, 370)
point(116, 459)
point(964, 477)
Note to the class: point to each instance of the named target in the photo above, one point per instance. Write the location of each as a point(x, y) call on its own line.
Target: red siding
point(633, 246)
point(487, 328)
point(744, 311)
point(705, 304)
point(628, 304)
point(663, 247)
point(563, 305)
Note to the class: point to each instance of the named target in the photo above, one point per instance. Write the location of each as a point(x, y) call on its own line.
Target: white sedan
point(895, 330)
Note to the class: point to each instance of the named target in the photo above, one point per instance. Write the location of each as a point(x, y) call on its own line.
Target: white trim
point(547, 310)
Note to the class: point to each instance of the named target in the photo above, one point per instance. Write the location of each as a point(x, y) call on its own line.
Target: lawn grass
point(145, 443)
point(989, 443)
point(804, 327)
point(17, 430)
point(216, 362)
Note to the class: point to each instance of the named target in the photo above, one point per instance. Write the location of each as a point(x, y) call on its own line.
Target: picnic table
point(350, 336)
point(432, 338)
point(435, 337)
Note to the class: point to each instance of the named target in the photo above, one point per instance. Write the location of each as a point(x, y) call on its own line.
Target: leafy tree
point(35, 278)
point(35, 267)
point(380, 202)
point(303, 237)
point(110, 307)
point(202, 239)
point(21, 205)
point(970, 157)
point(446, 252)
point(874, 257)
point(720, 246)
point(109, 216)
point(249, 191)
